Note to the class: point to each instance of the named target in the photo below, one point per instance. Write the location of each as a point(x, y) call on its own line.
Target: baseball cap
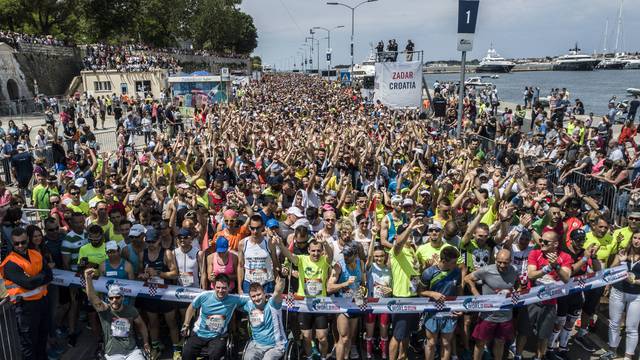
point(151, 235)
point(301, 223)
point(635, 214)
point(137, 230)
point(578, 235)
point(424, 192)
point(184, 232)
point(183, 186)
point(222, 244)
point(435, 226)
point(407, 202)
point(201, 184)
point(295, 212)
point(111, 245)
point(115, 290)
point(80, 182)
point(20, 147)
point(272, 223)
point(396, 199)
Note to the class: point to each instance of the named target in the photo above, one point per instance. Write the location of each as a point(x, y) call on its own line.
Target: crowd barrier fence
point(615, 199)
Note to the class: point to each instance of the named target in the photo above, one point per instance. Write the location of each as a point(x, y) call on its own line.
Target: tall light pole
point(353, 10)
point(317, 51)
point(328, 44)
point(305, 54)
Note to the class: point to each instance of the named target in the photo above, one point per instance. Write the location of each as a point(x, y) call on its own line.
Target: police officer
point(26, 276)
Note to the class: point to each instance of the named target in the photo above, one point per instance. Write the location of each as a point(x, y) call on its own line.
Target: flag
point(153, 289)
point(440, 305)
point(515, 297)
point(289, 300)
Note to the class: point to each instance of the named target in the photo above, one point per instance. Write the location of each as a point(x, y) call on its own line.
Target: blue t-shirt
point(266, 324)
point(444, 282)
point(215, 314)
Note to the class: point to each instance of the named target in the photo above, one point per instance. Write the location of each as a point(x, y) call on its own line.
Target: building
point(107, 82)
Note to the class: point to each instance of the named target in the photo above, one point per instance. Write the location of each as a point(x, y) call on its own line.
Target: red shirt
point(537, 258)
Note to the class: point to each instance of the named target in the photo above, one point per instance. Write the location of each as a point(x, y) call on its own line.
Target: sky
point(517, 28)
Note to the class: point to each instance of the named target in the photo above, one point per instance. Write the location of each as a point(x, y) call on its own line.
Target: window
point(102, 85)
point(143, 86)
point(124, 88)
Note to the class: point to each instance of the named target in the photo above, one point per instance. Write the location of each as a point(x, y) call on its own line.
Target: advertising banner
point(399, 84)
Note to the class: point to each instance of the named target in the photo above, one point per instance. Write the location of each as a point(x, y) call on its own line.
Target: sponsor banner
point(399, 84)
point(336, 305)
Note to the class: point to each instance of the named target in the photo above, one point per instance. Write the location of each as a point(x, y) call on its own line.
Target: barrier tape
point(502, 301)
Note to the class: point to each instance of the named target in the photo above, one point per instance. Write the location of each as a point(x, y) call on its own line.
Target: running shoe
point(609, 355)
point(585, 343)
point(353, 354)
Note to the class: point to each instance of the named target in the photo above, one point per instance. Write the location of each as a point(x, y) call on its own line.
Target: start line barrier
point(502, 301)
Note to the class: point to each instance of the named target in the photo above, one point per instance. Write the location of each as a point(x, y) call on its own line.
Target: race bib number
point(313, 287)
point(256, 317)
point(156, 280)
point(258, 275)
point(215, 323)
point(120, 327)
point(111, 273)
point(186, 279)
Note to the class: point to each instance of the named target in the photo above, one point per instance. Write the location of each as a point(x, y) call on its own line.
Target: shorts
point(268, 287)
point(486, 331)
point(384, 319)
point(310, 321)
point(155, 306)
point(537, 320)
point(404, 325)
point(570, 305)
point(440, 324)
point(592, 300)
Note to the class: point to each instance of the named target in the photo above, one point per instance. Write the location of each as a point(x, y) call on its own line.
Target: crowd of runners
point(299, 185)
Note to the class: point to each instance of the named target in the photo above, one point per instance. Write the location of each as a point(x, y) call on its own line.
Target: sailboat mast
point(619, 24)
point(604, 41)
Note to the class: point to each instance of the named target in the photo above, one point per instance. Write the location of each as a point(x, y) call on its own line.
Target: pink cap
point(229, 213)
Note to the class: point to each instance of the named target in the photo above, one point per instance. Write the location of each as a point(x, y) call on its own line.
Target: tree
point(219, 25)
point(256, 63)
point(11, 14)
point(111, 21)
point(45, 17)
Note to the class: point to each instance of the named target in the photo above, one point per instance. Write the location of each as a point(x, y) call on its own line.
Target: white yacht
point(617, 62)
point(575, 61)
point(367, 68)
point(494, 63)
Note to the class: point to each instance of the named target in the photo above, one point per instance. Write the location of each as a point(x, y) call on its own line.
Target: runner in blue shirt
point(269, 339)
point(210, 329)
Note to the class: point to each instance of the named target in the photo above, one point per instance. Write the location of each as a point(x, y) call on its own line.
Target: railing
point(393, 56)
point(36, 216)
point(614, 198)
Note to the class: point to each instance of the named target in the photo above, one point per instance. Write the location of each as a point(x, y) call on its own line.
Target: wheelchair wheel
point(292, 352)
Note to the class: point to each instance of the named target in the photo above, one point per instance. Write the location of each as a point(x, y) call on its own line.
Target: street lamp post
point(305, 55)
point(353, 10)
point(328, 44)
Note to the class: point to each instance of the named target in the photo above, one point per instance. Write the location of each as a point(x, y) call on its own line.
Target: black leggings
point(215, 348)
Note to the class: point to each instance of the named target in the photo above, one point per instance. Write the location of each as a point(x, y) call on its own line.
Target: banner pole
point(461, 95)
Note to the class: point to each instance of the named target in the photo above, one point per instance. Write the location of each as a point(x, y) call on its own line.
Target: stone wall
point(53, 67)
point(212, 64)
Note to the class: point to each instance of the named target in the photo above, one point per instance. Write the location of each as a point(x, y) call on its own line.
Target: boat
point(632, 63)
point(575, 61)
point(476, 82)
point(367, 68)
point(615, 63)
point(633, 91)
point(494, 63)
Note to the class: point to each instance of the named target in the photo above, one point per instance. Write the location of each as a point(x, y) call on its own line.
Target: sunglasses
point(53, 228)
point(20, 243)
point(74, 193)
point(55, 202)
point(434, 230)
point(115, 297)
point(546, 242)
point(634, 219)
point(255, 228)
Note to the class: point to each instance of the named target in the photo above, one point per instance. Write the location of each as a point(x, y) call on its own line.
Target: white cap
point(295, 212)
point(407, 202)
point(301, 222)
point(111, 245)
point(137, 230)
point(80, 182)
point(396, 199)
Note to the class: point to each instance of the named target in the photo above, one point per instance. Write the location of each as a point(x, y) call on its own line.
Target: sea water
point(594, 88)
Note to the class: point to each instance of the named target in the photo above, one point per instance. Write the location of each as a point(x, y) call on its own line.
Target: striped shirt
point(71, 245)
